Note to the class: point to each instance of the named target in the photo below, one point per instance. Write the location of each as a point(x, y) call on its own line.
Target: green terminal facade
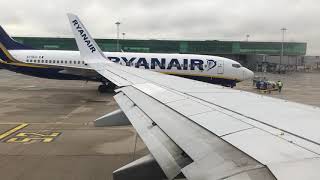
point(171, 46)
point(247, 53)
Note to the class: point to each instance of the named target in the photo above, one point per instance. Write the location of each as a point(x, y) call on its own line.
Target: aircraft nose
point(247, 74)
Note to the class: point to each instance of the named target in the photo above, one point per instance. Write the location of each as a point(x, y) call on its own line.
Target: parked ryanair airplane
point(67, 65)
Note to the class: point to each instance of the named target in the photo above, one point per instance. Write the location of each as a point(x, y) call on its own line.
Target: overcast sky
point(169, 19)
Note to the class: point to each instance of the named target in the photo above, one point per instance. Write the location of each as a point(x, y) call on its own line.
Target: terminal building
point(254, 55)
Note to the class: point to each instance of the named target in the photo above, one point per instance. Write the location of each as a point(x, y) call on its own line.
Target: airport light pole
point(282, 48)
point(123, 34)
point(247, 36)
point(118, 29)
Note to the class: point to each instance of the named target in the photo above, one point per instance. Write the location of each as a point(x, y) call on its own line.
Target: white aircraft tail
point(89, 49)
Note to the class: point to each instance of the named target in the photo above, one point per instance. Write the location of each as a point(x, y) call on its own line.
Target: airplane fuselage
point(57, 64)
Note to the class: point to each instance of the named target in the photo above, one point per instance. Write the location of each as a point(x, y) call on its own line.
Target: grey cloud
point(170, 19)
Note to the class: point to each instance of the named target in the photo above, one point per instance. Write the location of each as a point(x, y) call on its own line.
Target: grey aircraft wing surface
point(202, 131)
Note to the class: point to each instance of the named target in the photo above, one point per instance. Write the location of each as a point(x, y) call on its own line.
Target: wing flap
point(210, 168)
point(163, 149)
point(208, 152)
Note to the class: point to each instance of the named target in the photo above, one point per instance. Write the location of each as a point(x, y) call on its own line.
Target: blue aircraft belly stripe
point(49, 73)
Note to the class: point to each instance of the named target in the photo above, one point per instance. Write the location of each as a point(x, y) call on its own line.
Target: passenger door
point(220, 68)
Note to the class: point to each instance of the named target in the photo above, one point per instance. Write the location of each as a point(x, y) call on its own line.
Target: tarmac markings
point(25, 137)
point(13, 130)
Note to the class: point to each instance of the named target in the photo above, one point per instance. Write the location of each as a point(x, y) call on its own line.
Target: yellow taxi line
point(13, 130)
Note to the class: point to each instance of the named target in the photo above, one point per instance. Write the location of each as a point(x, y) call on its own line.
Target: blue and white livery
point(68, 65)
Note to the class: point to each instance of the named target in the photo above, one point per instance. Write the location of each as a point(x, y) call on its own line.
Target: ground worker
point(279, 84)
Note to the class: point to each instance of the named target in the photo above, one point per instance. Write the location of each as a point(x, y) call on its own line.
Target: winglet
point(87, 46)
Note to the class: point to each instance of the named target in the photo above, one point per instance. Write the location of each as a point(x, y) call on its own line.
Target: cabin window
point(236, 65)
point(82, 62)
point(66, 62)
point(42, 61)
point(70, 62)
point(74, 62)
point(46, 61)
point(49, 61)
point(27, 60)
point(38, 61)
point(78, 62)
point(58, 61)
point(54, 61)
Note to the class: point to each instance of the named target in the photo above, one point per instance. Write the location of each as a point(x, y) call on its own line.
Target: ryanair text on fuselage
point(183, 64)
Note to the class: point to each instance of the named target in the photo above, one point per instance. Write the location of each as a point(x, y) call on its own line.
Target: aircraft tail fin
point(89, 49)
point(10, 43)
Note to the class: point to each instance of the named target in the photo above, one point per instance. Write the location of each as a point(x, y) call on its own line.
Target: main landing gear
point(106, 87)
point(231, 84)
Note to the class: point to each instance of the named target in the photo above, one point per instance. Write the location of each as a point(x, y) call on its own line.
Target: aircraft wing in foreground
point(202, 131)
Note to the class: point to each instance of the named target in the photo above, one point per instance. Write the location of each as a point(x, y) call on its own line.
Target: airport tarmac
point(298, 87)
point(46, 129)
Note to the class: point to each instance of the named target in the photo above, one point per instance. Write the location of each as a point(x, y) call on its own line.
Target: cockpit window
point(236, 65)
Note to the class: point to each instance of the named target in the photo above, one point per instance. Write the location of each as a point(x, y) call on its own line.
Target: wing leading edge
point(190, 130)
